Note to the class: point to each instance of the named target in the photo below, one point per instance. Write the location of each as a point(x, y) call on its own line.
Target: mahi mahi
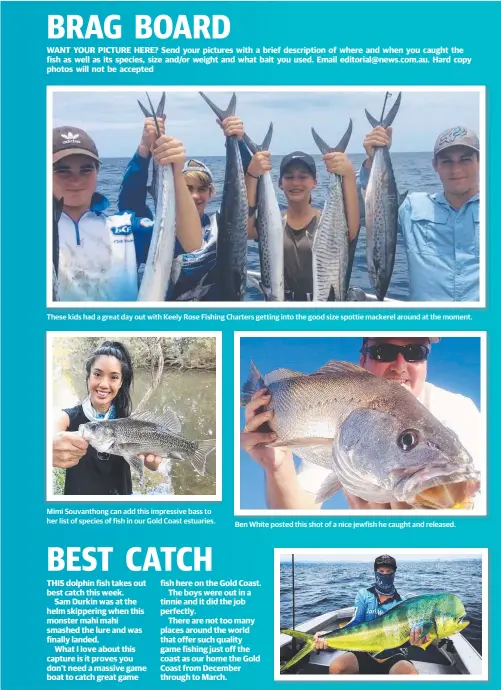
point(161, 253)
point(270, 230)
point(438, 615)
point(371, 435)
point(381, 212)
point(231, 259)
point(330, 245)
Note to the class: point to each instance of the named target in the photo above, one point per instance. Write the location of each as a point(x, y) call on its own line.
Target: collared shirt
point(99, 255)
point(442, 246)
point(368, 607)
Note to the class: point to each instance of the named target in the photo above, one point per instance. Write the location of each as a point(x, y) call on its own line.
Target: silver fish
point(331, 242)
point(270, 230)
point(146, 432)
point(374, 436)
point(231, 259)
point(158, 267)
point(381, 212)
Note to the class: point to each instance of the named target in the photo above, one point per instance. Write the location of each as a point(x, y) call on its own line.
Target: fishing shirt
point(368, 607)
point(198, 277)
point(455, 411)
point(442, 246)
point(99, 255)
point(94, 476)
point(298, 261)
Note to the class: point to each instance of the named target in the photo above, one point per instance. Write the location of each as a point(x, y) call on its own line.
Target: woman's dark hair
point(112, 348)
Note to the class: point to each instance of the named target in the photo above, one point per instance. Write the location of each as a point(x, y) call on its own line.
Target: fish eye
point(408, 439)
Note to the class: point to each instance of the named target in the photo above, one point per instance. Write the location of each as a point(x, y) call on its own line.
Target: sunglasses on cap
point(388, 352)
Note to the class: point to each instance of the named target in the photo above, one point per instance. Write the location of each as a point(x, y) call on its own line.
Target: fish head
point(449, 615)
point(406, 452)
point(100, 435)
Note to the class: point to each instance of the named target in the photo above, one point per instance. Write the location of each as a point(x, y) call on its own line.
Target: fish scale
point(350, 422)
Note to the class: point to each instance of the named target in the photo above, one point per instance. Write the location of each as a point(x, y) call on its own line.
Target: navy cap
point(301, 158)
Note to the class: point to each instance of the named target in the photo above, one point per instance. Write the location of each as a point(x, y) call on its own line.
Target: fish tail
point(388, 120)
point(254, 148)
point(307, 649)
point(254, 382)
point(200, 456)
point(372, 120)
point(159, 112)
point(342, 145)
point(145, 111)
point(222, 114)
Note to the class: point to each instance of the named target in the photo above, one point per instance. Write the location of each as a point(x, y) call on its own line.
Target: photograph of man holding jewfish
point(377, 422)
point(377, 205)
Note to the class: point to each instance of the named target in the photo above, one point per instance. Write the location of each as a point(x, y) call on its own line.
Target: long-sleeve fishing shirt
point(368, 607)
point(442, 246)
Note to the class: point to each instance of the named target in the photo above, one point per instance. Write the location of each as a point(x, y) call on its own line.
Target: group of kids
point(100, 256)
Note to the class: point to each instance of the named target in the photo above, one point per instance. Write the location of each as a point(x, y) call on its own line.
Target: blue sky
point(115, 121)
point(454, 364)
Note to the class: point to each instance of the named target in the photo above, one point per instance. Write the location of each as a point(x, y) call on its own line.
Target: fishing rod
point(384, 106)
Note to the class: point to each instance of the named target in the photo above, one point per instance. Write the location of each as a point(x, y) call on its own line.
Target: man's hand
point(260, 163)
point(254, 441)
point(416, 639)
point(320, 643)
point(169, 150)
point(151, 461)
point(150, 135)
point(232, 126)
point(67, 449)
point(377, 137)
point(339, 163)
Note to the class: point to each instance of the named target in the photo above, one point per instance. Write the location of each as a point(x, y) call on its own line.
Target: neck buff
point(93, 415)
point(384, 583)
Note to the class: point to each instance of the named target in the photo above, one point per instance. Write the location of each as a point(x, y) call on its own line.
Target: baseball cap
point(457, 136)
point(69, 141)
point(193, 165)
point(298, 157)
point(385, 561)
point(432, 340)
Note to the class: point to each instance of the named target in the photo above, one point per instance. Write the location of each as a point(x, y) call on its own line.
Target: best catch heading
point(162, 26)
point(137, 558)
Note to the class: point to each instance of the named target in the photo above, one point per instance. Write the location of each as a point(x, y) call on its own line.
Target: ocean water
point(413, 172)
point(323, 587)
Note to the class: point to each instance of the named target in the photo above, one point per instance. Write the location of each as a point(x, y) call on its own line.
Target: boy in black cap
point(371, 603)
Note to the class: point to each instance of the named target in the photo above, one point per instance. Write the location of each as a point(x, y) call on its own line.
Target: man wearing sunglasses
point(98, 256)
point(403, 360)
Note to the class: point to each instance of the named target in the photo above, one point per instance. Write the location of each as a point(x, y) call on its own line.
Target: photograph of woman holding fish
point(432, 630)
point(379, 432)
point(426, 248)
point(108, 448)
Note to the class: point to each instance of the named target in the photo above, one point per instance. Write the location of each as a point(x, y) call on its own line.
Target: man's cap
point(298, 157)
point(193, 165)
point(385, 562)
point(457, 136)
point(69, 141)
point(431, 340)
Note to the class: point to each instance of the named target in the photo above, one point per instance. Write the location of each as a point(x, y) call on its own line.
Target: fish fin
point(307, 649)
point(318, 455)
point(342, 145)
point(166, 420)
point(161, 107)
point(280, 375)
point(253, 148)
point(372, 120)
point(340, 369)
point(254, 383)
point(331, 297)
point(153, 114)
point(389, 118)
point(330, 486)
point(402, 197)
point(309, 442)
point(253, 282)
point(267, 140)
point(222, 114)
point(200, 456)
point(146, 112)
point(129, 452)
point(266, 292)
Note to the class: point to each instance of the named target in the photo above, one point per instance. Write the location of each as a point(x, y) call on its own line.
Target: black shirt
point(298, 261)
point(93, 476)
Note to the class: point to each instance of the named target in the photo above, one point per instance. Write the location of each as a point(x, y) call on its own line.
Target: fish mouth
point(435, 488)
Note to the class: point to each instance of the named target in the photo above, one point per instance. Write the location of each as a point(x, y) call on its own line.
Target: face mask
point(384, 583)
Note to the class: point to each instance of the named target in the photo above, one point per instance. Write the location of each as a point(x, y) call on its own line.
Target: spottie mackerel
point(438, 615)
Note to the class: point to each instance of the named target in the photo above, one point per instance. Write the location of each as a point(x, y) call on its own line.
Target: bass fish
point(378, 441)
point(439, 616)
point(146, 432)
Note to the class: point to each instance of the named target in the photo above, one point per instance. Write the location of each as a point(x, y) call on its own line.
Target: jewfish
point(439, 616)
point(270, 230)
point(331, 241)
point(57, 209)
point(146, 432)
point(373, 435)
point(158, 268)
point(231, 259)
point(381, 211)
